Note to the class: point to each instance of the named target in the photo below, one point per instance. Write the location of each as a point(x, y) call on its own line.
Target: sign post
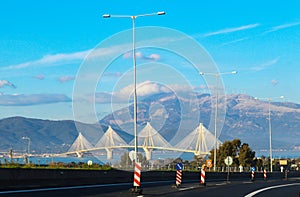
point(228, 161)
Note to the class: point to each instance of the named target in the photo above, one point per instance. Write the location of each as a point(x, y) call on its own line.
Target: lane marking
point(77, 187)
point(220, 183)
point(61, 188)
point(268, 188)
point(187, 188)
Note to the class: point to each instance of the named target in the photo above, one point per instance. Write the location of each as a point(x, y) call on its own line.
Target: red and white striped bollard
point(202, 179)
point(137, 174)
point(252, 175)
point(265, 174)
point(178, 178)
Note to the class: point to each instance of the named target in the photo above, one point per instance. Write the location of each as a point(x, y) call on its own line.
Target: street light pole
point(270, 137)
point(270, 130)
point(217, 75)
point(134, 93)
point(133, 17)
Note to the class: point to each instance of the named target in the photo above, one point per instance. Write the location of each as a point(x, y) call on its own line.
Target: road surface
point(166, 188)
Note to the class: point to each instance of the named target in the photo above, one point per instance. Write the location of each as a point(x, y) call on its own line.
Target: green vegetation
point(241, 154)
point(59, 165)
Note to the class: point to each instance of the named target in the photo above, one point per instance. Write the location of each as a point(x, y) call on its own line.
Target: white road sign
point(228, 160)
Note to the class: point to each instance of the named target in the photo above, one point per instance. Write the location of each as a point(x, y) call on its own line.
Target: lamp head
point(106, 15)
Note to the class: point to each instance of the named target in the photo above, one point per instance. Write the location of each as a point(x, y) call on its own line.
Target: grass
point(58, 165)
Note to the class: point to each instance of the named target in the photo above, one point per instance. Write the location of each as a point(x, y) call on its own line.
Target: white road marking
point(75, 187)
point(267, 188)
point(187, 188)
point(61, 188)
point(221, 184)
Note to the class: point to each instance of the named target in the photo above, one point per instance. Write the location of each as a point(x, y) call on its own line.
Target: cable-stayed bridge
point(198, 142)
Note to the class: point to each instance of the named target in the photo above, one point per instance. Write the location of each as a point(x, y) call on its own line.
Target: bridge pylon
point(200, 143)
point(109, 153)
point(109, 140)
point(80, 143)
point(79, 154)
point(200, 140)
point(148, 141)
point(149, 138)
point(148, 153)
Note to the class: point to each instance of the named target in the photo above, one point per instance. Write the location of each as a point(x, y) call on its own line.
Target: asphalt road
point(237, 188)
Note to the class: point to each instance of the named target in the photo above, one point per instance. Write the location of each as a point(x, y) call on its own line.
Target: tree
point(125, 161)
point(197, 162)
point(241, 154)
point(246, 155)
point(228, 148)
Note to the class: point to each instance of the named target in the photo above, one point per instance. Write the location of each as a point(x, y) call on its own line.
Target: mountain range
point(246, 118)
point(173, 116)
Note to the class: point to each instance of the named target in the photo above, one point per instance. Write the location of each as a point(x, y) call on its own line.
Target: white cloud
point(231, 30)
point(144, 89)
point(64, 79)
point(154, 57)
point(32, 99)
point(147, 88)
point(40, 77)
point(274, 82)
point(6, 83)
point(284, 26)
point(235, 41)
point(60, 58)
point(65, 58)
point(125, 94)
point(265, 64)
point(127, 55)
point(140, 55)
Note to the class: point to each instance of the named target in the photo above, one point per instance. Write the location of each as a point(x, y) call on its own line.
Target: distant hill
point(46, 136)
point(173, 116)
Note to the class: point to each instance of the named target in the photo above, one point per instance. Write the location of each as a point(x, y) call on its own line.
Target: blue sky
point(43, 45)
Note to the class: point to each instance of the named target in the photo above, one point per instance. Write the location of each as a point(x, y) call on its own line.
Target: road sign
point(179, 166)
point(228, 160)
point(283, 162)
point(209, 163)
point(252, 168)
